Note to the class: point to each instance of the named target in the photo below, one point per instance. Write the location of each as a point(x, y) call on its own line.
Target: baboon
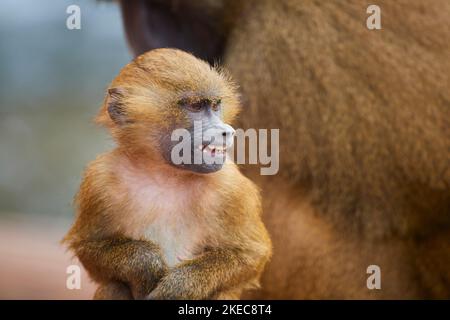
point(148, 227)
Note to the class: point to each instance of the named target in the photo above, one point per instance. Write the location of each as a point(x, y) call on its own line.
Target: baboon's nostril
point(228, 133)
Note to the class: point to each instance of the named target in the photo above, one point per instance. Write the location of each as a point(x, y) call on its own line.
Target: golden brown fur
point(364, 143)
point(145, 229)
point(364, 118)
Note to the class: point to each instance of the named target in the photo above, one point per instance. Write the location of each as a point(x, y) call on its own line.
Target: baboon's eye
point(194, 106)
point(216, 105)
point(197, 106)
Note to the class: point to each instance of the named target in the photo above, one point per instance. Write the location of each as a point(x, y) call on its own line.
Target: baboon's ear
point(115, 105)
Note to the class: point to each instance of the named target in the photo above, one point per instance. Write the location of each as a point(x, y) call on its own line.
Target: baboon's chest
point(172, 216)
point(179, 240)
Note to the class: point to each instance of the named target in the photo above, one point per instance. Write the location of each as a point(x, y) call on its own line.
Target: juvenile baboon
point(148, 227)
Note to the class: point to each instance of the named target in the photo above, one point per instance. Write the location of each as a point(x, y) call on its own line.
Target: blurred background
point(52, 82)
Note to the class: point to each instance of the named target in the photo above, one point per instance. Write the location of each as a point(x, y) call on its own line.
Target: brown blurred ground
point(33, 263)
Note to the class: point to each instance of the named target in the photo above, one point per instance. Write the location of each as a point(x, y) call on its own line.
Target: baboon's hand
point(179, 284)
point(145, 280)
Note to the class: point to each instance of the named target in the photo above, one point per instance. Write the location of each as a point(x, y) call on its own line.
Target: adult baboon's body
point(364, 133)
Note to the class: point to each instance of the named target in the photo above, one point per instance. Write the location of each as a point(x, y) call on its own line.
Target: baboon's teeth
point(212, 149)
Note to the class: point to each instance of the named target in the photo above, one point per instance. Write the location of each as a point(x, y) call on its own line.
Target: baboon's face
point(200, 141)
point(175, 107)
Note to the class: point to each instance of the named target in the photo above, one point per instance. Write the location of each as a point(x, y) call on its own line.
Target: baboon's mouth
point(212, 149)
